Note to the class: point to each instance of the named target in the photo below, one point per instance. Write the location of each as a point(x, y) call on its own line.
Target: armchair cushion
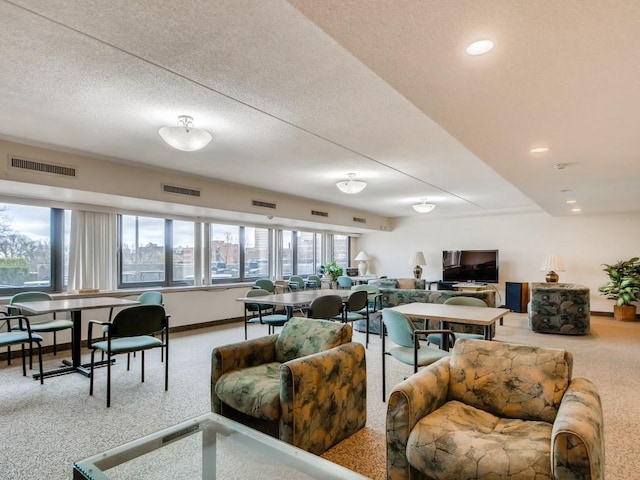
point(300, 337)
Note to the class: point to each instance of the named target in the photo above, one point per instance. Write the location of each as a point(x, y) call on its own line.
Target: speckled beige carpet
point(44, 429)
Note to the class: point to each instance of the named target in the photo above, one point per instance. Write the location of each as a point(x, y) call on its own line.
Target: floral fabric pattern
point(315, 399)
point(442, 423)
point(559, 308)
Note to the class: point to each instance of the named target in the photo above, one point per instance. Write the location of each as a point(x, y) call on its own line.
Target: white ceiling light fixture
point(185, 136)
point(351, 186)
point(480, 47)
point(539, 149)
point(424, 207)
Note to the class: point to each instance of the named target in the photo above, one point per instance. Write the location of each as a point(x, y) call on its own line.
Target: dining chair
point(314, 282)
point(50, 325)
point(21, 336)
point(403, 333)
point(356, 307)
point(262, 313)
point(461, 300)
point(132, 329)
point(326, 307)
point(265, 284)
point(344, 282)
point(297, 282)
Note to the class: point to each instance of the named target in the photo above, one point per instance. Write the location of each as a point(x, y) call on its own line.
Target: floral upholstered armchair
point(305, 385)
point(497, 411)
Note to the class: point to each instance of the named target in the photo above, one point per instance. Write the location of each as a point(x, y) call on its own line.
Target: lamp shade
point(362, 257)
point(553, 263)
point(351, 185)
point(185, 136)
point(418, 259)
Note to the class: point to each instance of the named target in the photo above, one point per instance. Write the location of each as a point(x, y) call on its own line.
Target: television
point(479, 266)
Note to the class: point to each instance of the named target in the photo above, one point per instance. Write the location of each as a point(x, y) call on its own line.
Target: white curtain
point(92, 251)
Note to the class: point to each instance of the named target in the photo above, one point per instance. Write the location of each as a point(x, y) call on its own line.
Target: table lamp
point(418, 259)
point(363, 266)
point(551, 264)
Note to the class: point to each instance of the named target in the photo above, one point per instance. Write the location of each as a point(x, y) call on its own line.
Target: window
point(225, 253)
point(142, 253)
point(341, 250)
point(256, 252)
point(287, 253)
point(183, 252)
point(26, 247)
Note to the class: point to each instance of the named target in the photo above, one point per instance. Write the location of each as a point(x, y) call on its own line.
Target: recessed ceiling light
point(571, 201)
point(539, 149)
point(576, 209)
point(480, 47)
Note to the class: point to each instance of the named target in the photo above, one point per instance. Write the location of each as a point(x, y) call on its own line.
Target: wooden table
point(446, 314)
point(75, 306)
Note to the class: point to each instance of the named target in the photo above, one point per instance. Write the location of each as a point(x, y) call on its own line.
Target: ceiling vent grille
point(359, 220)
point(36, 166)
point(319, 214)
point(258, 203)
point(190, 192)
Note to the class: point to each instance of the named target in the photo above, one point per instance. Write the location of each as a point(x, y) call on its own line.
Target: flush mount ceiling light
point(423, 207)
point(352, 185)
point(185, 136)
point(539, 149)
point(480, 47)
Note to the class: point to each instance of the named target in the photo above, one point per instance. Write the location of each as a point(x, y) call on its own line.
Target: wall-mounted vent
point(359, 220)
point(191, 192)
point(258, 203)
point(319, 214)
point(36, 166)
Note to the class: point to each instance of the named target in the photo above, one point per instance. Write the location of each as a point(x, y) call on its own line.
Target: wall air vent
point(258, 203)
point(36, 166)
point(359, 220)
point(319, 214)
point(191, 192)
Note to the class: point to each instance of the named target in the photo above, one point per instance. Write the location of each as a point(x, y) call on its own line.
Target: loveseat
point(561, 308)
point(306, 385)
point(400, 291)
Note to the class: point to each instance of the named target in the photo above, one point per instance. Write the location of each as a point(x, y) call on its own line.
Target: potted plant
point(333, 270)
point(623, 287)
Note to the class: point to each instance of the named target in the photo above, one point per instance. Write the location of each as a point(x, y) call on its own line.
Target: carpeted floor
point(44, 429)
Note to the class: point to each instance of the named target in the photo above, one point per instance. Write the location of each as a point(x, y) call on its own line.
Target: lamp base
point(362, 268)
point(417, 272)
point(552, 277)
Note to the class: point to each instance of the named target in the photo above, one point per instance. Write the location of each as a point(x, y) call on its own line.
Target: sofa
point(306, 385)
point(495, 410)
point(561, 308)
point(400, 291)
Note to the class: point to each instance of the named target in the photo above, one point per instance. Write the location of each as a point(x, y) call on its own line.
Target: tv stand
point(469, 286)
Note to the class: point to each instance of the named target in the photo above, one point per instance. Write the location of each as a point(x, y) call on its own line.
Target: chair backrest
point(304, 336)
point(26, 297)
point(344, 282)
point(265, 284)
point(255, 307)
point(467, 301)
point(399, 327)
point(316, 279)
point(138, 320)
point(282, 286)
point(297, 280)
point(151, 298)
point(358, 300)
point(326, 307)
point(539, 375)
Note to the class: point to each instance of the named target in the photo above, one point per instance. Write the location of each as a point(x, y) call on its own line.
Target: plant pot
point(624, 313)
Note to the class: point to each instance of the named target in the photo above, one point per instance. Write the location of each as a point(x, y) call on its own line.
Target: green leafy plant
point(624, 281)
point(333, 270)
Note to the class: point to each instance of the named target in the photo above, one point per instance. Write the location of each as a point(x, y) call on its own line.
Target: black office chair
point(356, 307)
point(133, 329)
point(326, 307)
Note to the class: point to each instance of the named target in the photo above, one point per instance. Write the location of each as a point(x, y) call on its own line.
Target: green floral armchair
point(305, 385)
point(494, 410)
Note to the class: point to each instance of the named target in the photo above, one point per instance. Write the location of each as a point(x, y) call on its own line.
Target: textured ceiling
point(297, 94)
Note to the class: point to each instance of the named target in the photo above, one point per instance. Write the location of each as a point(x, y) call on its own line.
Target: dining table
point(75, 306)
point(301, 298)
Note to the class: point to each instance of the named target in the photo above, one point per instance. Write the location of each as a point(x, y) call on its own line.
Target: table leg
point(444, 325)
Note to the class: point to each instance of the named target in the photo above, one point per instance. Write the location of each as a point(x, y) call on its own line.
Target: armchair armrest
point(411, 400)
point(323, 397)
point(239, 355)
point(577, 439)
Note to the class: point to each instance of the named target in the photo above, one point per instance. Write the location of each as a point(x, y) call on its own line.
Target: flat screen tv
point(470, 266)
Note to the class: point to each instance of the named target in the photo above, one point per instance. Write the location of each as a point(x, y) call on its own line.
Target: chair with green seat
point(408, 350)
point(356, 307)
point(344, 282)
point(326, 307)
point(132, 329)
point(265, 284)
point(297, 283)
point(19, 336)
point(51, 325)
point(313, 282)
point(262, 313)
point(466, 301)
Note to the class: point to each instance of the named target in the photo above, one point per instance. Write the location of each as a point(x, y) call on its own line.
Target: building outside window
point(142, 250)
point(225, 252)
point(256, 252)
point(183, 257)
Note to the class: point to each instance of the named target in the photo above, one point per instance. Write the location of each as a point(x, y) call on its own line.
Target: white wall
point(584, 242)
